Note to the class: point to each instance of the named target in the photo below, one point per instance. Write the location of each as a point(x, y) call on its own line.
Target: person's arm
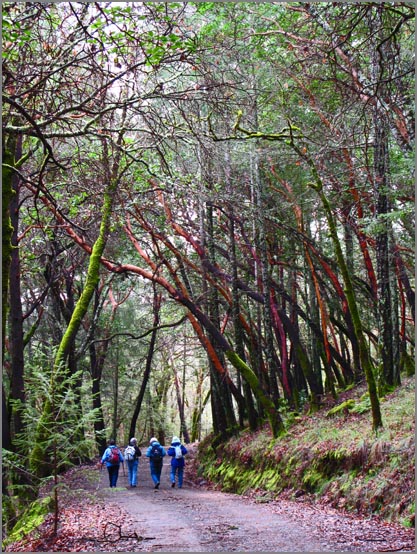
point(183, 450)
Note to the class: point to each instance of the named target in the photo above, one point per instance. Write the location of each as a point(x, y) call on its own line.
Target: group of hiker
point(113, 457)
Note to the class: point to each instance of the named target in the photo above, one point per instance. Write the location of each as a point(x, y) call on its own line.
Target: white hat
point(133, 441)
point(153, 439)
point(175, 439)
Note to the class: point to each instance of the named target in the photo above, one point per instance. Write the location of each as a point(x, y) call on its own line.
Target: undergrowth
point(332, 456)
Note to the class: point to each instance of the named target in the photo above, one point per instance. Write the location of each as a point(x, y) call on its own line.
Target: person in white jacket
point(177, 451)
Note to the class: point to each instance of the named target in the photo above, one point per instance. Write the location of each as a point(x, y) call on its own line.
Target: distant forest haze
point(208, 219)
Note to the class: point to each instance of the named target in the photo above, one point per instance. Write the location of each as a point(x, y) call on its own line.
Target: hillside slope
point(330, 457)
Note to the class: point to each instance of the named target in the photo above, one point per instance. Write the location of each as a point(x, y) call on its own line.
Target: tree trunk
point(114, 420)
point(221, 397)
point(199, 406)
point(386, 336)
point(262, 246)
point(148, 366)
point(184, 428)
point(96, 369)
point(39, 459)
point(8, 177)
point(239, 333)
point(17, 385)
point(365, 357)
point(180, 404)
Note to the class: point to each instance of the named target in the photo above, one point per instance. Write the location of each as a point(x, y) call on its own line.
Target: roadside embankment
point(330, 457)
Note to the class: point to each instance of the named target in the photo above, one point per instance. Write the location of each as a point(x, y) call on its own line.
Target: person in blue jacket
point(177, 451)
point(112, 462)
point(155, 453)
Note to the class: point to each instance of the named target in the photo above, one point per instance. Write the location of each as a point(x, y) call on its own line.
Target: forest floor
point(95, 518)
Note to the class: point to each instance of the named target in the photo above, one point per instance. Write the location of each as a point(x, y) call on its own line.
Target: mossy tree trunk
point(13, 159)
point(364, 354)
point(16, 342)
point(39, 462)
point(9, 149)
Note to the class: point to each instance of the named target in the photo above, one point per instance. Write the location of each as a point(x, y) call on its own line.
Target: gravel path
point(194, 519)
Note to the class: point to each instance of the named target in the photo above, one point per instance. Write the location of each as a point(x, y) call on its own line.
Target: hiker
point(113, 458)
point(132, 454)
point(177, 451)
point(155, 453)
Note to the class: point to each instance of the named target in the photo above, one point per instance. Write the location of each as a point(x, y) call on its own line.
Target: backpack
point(130, 453)
point(114, 457)
point(178, 452)
point(156, 453)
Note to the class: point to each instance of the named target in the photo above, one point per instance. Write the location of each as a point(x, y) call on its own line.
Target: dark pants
point(113, 474)
point(156, 468)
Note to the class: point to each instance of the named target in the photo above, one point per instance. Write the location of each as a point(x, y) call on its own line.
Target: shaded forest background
point(208, 219)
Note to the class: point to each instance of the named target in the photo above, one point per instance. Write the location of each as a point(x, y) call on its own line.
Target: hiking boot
point(173, 484)
point(157, 486)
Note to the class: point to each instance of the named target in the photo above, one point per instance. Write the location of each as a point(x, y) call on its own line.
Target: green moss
point(342, 408)
point(345, 462)
point(312, 479)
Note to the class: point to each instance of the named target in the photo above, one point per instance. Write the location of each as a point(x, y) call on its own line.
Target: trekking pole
point(101, 469)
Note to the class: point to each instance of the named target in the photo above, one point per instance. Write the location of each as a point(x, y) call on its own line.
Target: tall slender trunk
point(386, 337)
point(96, 369)
point(387, 340)
point(115, 411)
point(7, 193)
point(16, 344)
point(261, 232)
point(224, 418)
point(200, 404)
point(224, 407)
point(156, 306)
point(248, 410)
point(300, 382)
point(184, 428)
point(364, 354)
point(12, 158)
point(180, 403)
point(239, 332)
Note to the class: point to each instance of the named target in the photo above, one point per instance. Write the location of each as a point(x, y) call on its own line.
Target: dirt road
point(194, 519)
